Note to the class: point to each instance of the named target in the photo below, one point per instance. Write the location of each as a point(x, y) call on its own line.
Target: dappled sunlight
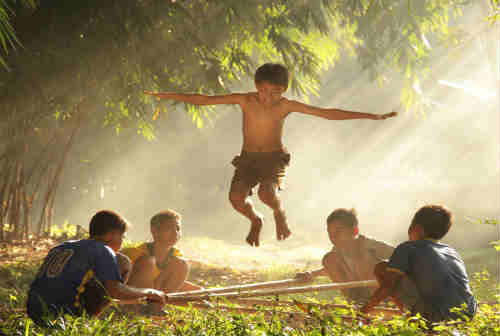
point(444, 152)
point(242, 257)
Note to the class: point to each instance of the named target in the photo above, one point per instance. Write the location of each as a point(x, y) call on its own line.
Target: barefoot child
point(78, 276)
point(159, 264)
point(264, 159)
point(436, 270)
point(353, 257)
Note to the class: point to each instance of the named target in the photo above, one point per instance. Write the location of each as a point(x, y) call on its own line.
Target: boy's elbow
point(113, 289)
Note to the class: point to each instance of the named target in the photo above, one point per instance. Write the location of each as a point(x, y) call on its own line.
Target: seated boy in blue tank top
point(435, 268)
point(81, 275)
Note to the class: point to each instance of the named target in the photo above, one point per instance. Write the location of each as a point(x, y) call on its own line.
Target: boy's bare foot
point(253, 238)
point(282, 230)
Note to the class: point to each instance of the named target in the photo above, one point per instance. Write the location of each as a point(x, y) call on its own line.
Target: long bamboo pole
point(239, 288)
point(232, 308)
point(273, 303)
point(282, 291)
point(289, 315)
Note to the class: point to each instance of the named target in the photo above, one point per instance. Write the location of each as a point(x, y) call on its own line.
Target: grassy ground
point(216, 263)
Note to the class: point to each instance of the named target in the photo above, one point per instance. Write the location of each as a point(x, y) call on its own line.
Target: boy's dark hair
point(163, 217)
point(273, 73)
point(347, 217)
point(105, 221)
point(435, 220)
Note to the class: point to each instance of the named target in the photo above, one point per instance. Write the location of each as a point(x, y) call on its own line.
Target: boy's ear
point(356, 230)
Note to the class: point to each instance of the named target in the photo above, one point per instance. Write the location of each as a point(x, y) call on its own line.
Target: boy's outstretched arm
point(310, 275)
point(198, 99)
point(384, 291)
point(120, 291)
point(335, 114)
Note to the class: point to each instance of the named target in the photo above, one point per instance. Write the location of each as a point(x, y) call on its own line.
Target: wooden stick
point(290, 315)
point(231, 308)
point(271, 303)
point(239, 288)
point(283, 291)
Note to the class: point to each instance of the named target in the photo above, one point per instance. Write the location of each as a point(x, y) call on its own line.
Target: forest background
point(77, 134)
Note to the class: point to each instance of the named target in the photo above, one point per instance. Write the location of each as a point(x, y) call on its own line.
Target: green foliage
point(182, 321)
point(107, 53)
point(188, 321)
point(494, 18)
point(8, 38)
point(65, 230)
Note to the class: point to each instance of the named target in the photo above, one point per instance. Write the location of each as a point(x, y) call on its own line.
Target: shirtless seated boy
point(353, 257)
point(264, 159)
point(159, 264)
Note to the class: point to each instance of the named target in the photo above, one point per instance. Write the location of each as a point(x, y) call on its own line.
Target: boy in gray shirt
point(353, 256)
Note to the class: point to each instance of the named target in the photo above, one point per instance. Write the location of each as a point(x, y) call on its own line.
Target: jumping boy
point(264, 159)
point(436, 270)
point(353, 256)
point(159, 264)
point(79, 276)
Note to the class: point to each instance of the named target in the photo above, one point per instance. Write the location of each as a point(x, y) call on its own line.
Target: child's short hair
point(435, 220)
point(347, 217)
point(105, 221)
point(273, 73)
point(163, 217)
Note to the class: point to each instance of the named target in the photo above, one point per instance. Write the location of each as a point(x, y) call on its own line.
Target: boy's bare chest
point(261, 114)
point(360, 262)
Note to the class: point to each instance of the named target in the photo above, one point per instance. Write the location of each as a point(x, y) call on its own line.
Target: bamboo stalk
point(4, 197)
point(296, 319)
point(242, 309)
point(282, 291)
point(271, 303)
point(54, 181)
point(24, 206)
point(291, 315)
point(239, 288)
point(13, 204)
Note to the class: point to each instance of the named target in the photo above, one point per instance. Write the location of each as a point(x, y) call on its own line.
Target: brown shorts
point(253, 168)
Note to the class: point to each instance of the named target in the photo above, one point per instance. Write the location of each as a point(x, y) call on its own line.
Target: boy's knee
point(330, 260)
point(179, 265)
point(144, 265)
point(380, 271)
point(237, 198)
point(267, 194)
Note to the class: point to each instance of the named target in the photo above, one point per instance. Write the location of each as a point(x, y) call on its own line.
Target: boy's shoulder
point(370, 242)
point(253, 96)
point(135, 252)
point(248, 96)
point(424, 244)
point(87, 247)
point(379, 248)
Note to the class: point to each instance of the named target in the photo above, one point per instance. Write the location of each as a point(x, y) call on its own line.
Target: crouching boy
point(82, 275)
point(436, 270)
